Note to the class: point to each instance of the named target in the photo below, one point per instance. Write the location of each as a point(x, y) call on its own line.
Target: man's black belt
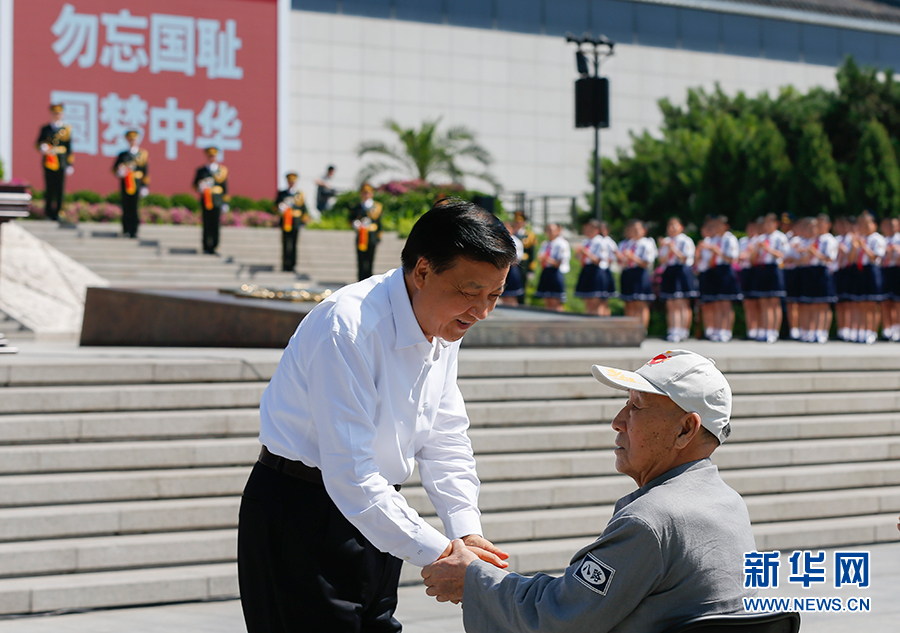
point(293, 468)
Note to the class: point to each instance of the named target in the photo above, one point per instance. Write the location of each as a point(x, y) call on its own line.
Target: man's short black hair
point(456, 228)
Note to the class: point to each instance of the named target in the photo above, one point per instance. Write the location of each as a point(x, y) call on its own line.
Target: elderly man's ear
point(690, 429)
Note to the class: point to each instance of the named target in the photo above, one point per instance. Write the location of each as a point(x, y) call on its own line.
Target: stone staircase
point(168, 256)
point(120, 473)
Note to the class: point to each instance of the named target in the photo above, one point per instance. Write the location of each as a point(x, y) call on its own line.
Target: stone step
point(47, 399)
point(132, 485)
point(70, 592)
point(105, 553)
point(137, 425)
point(492, 466)
point(822, 533)
point(106, 519)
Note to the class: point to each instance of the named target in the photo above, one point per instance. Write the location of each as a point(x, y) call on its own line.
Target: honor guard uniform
point(55, 144)
point(291, 206)
point(366, 219)
point(131, 169)
point(211, 182)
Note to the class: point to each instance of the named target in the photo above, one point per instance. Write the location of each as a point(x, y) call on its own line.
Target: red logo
point(656, 360)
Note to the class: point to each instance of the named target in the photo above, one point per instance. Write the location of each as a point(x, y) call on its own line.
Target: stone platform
point(205, 318)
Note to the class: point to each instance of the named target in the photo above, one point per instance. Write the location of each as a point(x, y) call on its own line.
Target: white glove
point(121, 171)
point(226, 208)
point(144, 192)
point(70, 170)
point(45, 148)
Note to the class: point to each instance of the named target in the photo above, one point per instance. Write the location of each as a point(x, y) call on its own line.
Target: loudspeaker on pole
point(592, 102)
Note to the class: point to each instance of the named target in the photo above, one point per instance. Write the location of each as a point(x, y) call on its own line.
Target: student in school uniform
point(724, 247)
point(816, 282)
point(554, 257)
point(702, 259)
point(746, 277)
point(678, 286)
point(594, 281)
point(890, 277)
point(636, 256)
point(868, 249)
point(768, 278)
point(515, 278)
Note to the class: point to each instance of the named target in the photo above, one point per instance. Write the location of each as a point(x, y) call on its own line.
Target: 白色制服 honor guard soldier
point(131, 169)
point(211, 182)
point(55, 144)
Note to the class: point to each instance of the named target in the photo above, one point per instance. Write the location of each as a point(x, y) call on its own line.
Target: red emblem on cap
point(659, 359)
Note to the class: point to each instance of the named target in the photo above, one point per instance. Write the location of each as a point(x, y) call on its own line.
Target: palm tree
point(426, 153)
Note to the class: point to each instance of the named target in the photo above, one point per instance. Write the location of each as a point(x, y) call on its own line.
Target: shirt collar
point(409, 332)
point(666, 476)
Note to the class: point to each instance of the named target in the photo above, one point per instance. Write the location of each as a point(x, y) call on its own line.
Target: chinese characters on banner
point(187, 74)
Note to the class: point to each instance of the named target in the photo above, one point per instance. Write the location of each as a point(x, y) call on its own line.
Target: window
point(324, 6)
point(741, 35)
point(656, 25)
point(476, 13)
point(699, 30)
point(519, 15)
point(781, 40)
point(613, 19)
point(420, 10)
point(888, 51)
point(820, 45)
point(563, 16)
point(860, 45)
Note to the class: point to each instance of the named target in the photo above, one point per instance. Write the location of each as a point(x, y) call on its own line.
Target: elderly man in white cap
point(674, 548)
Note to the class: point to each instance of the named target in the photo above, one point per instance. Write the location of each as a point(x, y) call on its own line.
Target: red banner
point(187, 74)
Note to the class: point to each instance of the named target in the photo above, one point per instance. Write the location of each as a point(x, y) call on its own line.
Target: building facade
point(504, 69)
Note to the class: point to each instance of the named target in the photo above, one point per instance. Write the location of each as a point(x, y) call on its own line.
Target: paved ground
point(421, 614)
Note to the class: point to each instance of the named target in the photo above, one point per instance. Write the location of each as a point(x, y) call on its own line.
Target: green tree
point(723, 169)
point(426, 153)
point(874, 178)
point(1, 169)
point(766, 183)
point(815, 185)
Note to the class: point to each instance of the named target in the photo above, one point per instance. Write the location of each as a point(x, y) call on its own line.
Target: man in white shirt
point(366, 390)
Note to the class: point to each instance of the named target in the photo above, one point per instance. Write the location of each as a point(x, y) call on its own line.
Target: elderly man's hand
point(446, 577)
point(486, 551)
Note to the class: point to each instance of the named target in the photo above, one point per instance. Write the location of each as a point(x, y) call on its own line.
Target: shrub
point(114, 198)
point(243, 203)
point(266, 204)
point(86, 195)
point(157, 200)
point(187, 200)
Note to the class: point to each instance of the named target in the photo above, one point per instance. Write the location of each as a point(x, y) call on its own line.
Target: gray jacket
point(673, 549)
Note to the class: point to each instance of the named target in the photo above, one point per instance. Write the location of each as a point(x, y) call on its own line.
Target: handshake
point(445, 578)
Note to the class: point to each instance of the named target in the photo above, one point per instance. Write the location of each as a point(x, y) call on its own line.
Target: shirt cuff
point(463, 523)
point(425, 549)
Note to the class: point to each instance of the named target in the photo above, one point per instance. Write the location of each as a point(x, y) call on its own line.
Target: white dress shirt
point(682, 243)
point(361, 394)
point(559, 250)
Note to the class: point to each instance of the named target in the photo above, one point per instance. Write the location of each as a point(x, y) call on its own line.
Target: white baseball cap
point(690, 380)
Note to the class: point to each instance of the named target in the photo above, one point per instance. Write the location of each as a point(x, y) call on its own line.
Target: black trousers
point(289, 248)
point(303, 567)
point(211, 229)
point(364, 261)
point(130, 214)
point(55, 182)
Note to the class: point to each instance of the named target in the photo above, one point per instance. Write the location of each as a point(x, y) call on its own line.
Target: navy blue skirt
point(636, 285)
point(848, 280)
point(868, 285)
point(768, 281)
point(721, 285)
point(890, 282)
point(515, 287)
point(816, 285)
point(791, 285)
point(595, 283)
point(678, 282)
point(551, 285)
point(747, 277)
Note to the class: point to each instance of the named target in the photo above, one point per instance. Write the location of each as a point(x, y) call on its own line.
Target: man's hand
point(486, 551)
point(446, 577)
